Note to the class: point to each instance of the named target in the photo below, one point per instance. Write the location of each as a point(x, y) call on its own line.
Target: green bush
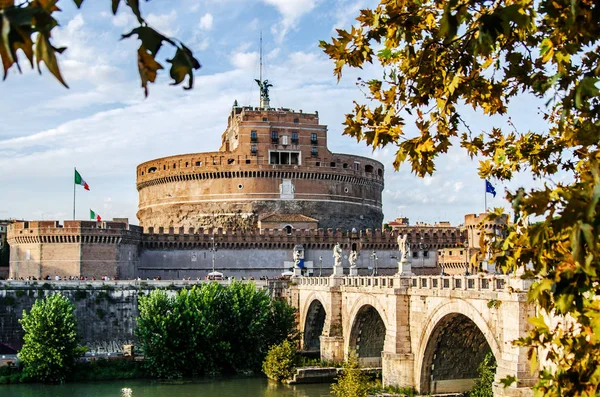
point(352, 382)
point(210, 328)
point(279, 363)
point(50, 340)
point(487, 372)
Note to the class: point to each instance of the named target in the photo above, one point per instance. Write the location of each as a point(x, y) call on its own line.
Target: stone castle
point(273, 186)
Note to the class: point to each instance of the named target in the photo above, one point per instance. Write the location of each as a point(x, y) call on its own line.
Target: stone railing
point(313, 281)
point(416, 283)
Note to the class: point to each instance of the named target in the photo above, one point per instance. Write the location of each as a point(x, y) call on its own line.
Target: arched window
point(288, 229)
point(368, 168)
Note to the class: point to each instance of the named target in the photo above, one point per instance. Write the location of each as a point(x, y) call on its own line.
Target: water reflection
point(225, 387)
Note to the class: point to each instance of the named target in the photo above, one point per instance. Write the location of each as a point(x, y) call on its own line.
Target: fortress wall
point(246, 262)
point(106, 315)
point(62, 259)
point(240, 214)
point(106, 311)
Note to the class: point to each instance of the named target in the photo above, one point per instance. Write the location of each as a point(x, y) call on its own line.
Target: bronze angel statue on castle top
point(264, 88)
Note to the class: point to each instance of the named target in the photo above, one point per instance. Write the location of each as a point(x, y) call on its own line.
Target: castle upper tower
point(271, 161)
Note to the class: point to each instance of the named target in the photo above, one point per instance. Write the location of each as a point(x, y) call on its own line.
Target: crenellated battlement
point(74, 231)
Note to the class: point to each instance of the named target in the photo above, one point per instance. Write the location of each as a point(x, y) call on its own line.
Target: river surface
point(227, 387)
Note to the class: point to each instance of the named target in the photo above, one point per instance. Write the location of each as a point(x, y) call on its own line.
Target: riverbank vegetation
point(211, 329)
point(83, 371)
point(207, 329)
point(50, 340)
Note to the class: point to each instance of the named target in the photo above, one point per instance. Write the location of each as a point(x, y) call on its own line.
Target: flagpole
point(74, 190)
point(485, 195)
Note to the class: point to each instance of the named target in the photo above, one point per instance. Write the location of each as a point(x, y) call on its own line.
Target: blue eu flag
point(489, 188)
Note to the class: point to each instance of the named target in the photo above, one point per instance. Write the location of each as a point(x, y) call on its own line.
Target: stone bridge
point(426, 332)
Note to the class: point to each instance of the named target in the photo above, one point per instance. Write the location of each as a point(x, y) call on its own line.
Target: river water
point(226, 387)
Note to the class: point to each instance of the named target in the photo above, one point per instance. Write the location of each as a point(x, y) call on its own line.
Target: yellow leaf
point(45, 52)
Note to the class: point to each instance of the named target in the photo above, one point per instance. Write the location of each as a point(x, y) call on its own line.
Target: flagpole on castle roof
point(74, 190)
point(485, 195)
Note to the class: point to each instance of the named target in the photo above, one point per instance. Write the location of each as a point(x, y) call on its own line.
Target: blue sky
point(105, 127)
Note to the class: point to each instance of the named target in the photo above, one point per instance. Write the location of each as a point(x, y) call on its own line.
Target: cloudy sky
point(105, 127)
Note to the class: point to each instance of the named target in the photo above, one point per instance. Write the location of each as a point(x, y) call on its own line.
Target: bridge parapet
point(417, 284)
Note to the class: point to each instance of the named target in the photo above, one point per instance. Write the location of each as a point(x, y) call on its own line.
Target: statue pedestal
point(338, 271)
point(405, 268)
point(297, 272)
point(353, 271)
point(489, 267)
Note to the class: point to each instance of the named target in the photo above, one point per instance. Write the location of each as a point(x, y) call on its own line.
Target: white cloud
point(206, 22)
point(164, 23)
point(244, 60)
point(291, 11)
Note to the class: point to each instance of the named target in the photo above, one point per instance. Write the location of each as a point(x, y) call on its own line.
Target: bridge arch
point(458, 331)
point(313, 326)
point(313, 321)
point(366, 330)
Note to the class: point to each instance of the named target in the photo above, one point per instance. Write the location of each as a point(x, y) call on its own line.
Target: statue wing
point(258, 82)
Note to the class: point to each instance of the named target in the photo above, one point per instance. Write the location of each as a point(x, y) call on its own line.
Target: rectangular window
point(356, 166)
point(28, 255)
point(314, 151)
point(265, 119)
point(274, 158)
point(284, 140)
point(313, 138)
point(332, 164)
point(253, 149)
point(295, 158)
point(425, 254)
point(284, 158)
point(296, 121)
point(275, 136)
point(294, 137)
point(415, 254)
point(198, 163)
point(253, 136)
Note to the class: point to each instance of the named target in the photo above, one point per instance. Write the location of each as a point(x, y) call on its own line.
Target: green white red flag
point(79, 181)
point(94, 216)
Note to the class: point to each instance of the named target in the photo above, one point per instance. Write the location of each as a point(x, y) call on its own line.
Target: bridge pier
point(332, 348)
point(397, 369)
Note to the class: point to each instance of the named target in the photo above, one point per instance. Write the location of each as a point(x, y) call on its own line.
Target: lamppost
point(213, 250)
point(466, 245)
point(320, 265)
point(423, 247)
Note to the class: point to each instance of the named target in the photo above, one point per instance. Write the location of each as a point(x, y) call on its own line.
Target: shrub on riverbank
point(210, 328)
point(50, 340)
point(352, 382)
point(280, 361)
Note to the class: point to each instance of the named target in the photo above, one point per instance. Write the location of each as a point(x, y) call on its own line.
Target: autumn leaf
point(148, 68)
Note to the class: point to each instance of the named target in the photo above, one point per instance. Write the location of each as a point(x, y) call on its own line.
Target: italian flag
point(79, 181)
point(94, 216)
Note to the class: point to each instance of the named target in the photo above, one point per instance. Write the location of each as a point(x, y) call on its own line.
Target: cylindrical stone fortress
point(271, 161)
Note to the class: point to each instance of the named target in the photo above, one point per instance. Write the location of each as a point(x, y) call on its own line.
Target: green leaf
point(150, 38)
point(183, 64)
point(78, 3)
point(115, 6)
